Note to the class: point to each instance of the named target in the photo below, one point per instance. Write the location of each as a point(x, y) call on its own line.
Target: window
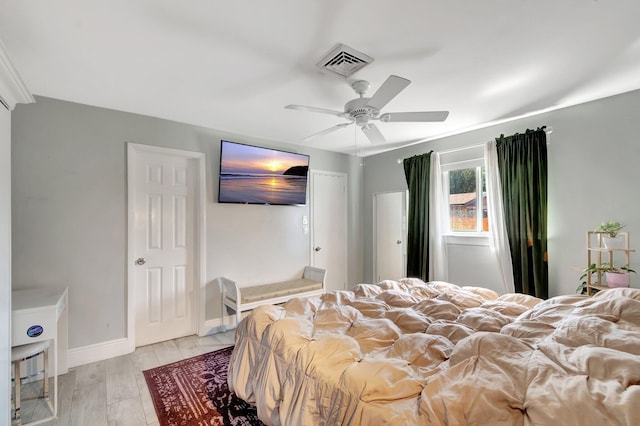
point(466, 190)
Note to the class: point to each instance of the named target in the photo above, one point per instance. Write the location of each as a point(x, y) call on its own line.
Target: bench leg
point(45, 385)
point(16, 401)
point(222, 309)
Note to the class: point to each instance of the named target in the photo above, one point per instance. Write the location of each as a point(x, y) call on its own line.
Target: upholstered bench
point(241, 299)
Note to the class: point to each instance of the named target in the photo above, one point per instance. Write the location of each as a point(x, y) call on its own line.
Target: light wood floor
point(114, 392)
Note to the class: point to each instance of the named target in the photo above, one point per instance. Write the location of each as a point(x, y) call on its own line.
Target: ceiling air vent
point(344, 60)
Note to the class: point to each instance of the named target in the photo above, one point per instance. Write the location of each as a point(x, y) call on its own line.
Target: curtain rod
point(452, 150)
point(548, 130)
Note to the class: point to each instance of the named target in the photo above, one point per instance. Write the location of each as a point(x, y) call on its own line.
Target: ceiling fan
point(362, 111)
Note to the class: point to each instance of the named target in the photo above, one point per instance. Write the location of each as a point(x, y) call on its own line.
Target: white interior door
point(329, 227)
point(164, 245)
point(390, 210)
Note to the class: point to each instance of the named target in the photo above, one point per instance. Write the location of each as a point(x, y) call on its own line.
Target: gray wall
point(69, 198)
point(593, 176)
point(69, 209)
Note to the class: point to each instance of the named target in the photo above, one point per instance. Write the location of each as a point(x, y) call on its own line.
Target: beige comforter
point(436, 354)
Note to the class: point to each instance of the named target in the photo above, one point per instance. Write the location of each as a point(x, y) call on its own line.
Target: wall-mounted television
point(255, 175)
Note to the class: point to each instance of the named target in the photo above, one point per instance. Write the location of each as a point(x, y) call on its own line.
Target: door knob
point(318, 248)
point(140, 261)
point(398, 242)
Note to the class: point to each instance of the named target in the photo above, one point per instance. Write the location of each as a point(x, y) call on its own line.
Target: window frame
point(465, 237)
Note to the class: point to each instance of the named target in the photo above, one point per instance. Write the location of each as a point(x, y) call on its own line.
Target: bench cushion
point(269, 291)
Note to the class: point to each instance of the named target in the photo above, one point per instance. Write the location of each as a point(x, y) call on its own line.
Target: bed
point(415, 353)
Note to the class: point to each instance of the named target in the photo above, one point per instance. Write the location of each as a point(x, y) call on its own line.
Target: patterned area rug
point(194, 391)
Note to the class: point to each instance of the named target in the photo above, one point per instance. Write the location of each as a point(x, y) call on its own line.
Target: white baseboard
point(98, 352)
point(214, 326)
point(113, 348)
point(211, 326)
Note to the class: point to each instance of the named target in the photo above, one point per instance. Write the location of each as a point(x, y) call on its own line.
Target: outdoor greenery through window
point(467, 199)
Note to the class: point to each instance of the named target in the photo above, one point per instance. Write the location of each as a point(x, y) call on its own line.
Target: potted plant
point(611, 229)
point(617, 277)
point(614, 276)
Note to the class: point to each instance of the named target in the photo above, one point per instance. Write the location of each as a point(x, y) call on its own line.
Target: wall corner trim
point(12, 89)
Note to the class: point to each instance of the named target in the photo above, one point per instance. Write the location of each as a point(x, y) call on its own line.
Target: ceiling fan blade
point(424, 116)
point(373, 134)
point(314, 109)
point(325, 131)
point(389, 90)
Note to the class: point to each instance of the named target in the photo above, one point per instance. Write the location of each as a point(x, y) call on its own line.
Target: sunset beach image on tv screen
point(255, 175)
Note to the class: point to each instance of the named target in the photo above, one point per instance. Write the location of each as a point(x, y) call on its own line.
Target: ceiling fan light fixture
point(362, 120)
point(363, 110)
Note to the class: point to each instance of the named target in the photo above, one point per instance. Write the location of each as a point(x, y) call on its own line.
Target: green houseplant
point(611, 228)
point(582, 288)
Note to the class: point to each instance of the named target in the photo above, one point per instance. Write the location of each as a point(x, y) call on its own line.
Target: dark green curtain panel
point(417, 170)
point(522, 163)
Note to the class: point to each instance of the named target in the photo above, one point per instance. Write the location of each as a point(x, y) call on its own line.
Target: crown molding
point(12, 89)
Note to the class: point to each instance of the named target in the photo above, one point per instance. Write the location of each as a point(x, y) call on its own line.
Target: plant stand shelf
point(603, 258)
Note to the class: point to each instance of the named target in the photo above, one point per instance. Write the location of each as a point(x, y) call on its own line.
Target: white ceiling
point(234, 65)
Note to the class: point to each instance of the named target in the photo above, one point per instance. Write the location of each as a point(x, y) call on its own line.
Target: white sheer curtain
point(498, 239)
point(438, 260)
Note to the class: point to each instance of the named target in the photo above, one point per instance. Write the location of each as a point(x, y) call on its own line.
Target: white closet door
point(329, 227)
point(390, 235)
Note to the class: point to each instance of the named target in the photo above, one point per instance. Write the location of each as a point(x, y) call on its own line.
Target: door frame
point(313, 173)
point(199, 270)
point(405, 196)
